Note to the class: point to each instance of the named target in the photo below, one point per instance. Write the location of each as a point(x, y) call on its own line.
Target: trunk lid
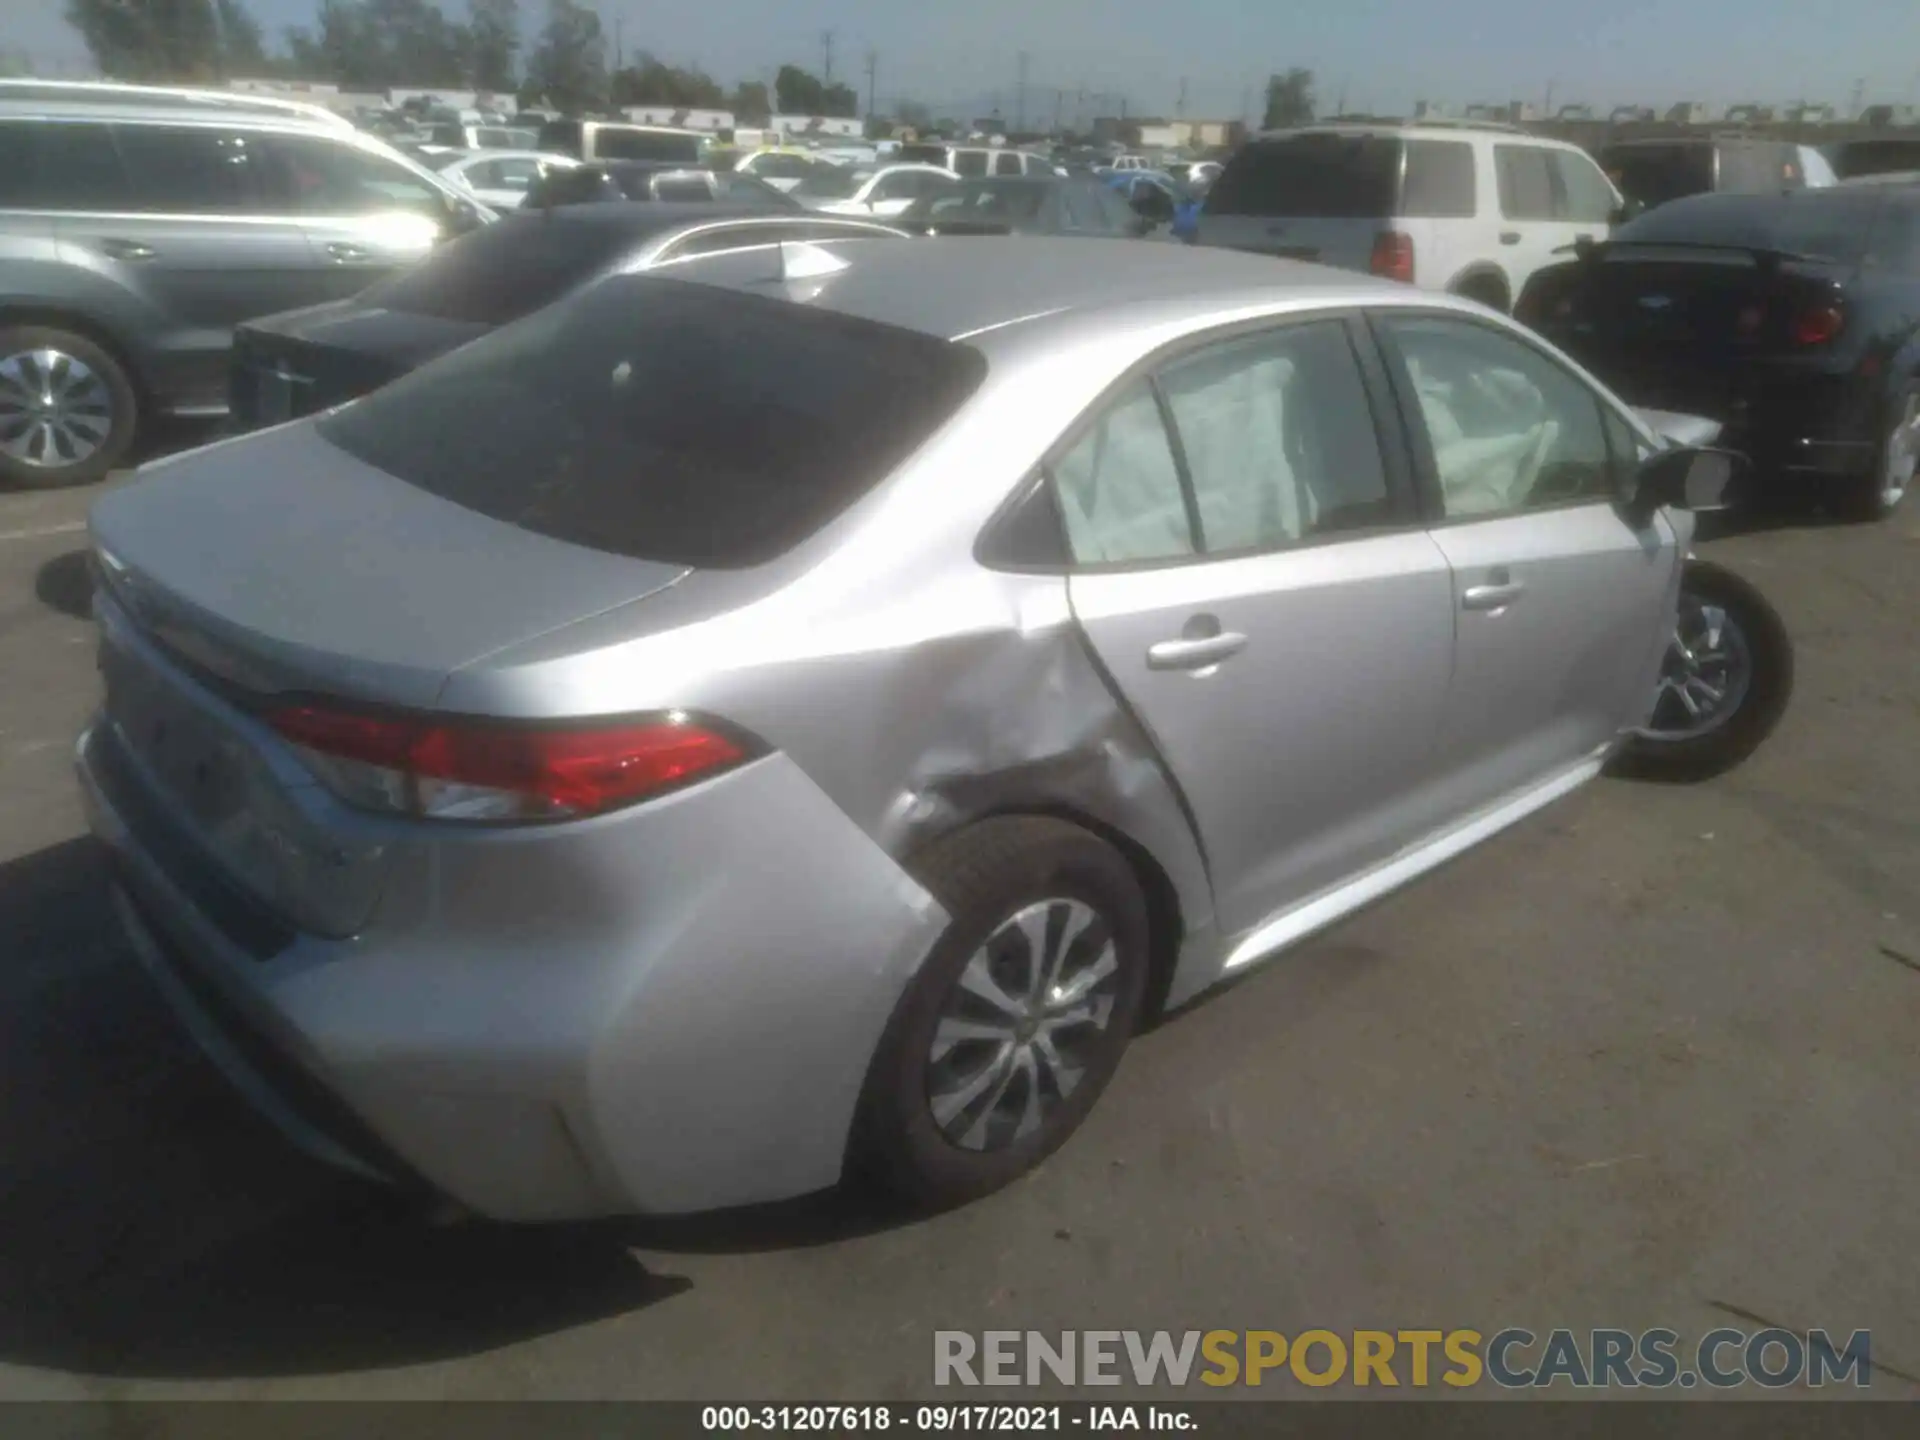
point(291, 365)
point(1675, 327)
point(278, 562)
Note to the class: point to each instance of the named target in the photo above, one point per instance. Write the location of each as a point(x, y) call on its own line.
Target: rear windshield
point(503, 271)
point(613, 143)
point(1826, 224)
point(665, 421)
point(1655, 174)
point(1323, 175)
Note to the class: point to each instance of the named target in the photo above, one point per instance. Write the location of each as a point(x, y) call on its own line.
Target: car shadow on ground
point(65, 583)
point(151, 1226)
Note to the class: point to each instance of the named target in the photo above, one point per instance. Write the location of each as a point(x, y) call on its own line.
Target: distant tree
point(798, 92)
point(149, 39)
point(750, 104)
point(493, 37)
point(1289, 99)
point(913, 114)
point(650, 81)
point(568, 68)
point(242, 51)
point(839, 99)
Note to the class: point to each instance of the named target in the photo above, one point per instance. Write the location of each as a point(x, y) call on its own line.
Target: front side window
point(1510, 430)
point(1278, 439)
point(671, 188)
point(1004, 164)
point(970, 163)
point(512, 174)
point(1584, 195)
point(1526, 182)
point(1119, 489)
point(323, 177)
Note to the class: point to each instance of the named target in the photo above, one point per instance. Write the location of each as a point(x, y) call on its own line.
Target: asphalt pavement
point(1649, 1059)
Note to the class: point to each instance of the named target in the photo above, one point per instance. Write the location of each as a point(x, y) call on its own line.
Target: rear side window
point(1439, 181)
point(1006, 165)
point(1327, 175)
point(503, 271)
point(613, 143)
point(1526, 182)
point(189, 171)
point(1876, 157)
point(561, 137)
point(665, 421)
point(670, 188)
point(61, 167)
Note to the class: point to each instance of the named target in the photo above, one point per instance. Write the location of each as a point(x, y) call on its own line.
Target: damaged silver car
point(800, 709)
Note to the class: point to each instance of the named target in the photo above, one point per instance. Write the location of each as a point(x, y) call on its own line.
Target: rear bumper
point(696, 1038)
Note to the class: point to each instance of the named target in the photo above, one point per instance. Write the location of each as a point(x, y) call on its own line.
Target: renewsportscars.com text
point(1512, 1358)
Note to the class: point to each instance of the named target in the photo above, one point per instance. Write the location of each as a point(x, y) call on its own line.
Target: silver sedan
point(795, 713)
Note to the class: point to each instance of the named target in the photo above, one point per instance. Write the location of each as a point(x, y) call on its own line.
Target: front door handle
point(1195, 654)
point(1509, 237)
point(1491, 597)
point(344, 251)
point(119, 249)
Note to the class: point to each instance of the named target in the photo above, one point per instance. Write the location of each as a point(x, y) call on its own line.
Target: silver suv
point(135, 236)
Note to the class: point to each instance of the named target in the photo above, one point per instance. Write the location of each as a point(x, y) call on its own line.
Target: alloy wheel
point(1021, 1024)
point(1705, 675)
point(55, 409)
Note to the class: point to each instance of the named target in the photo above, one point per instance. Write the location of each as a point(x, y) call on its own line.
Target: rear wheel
point(1878, 494)
point(1016, 1022)
point(1489, 290)
point(67, 409)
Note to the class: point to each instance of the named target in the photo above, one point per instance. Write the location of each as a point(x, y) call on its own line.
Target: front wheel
point(1724, 681)
point(1016, 1021)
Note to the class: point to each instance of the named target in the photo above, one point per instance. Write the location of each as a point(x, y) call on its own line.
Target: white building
point(706, 120)
point(818, 127)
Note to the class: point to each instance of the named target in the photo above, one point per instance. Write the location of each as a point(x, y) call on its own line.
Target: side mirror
point(1686, 477)
point(1627, 210)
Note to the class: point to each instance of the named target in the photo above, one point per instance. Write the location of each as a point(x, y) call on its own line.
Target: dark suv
point(133, 238)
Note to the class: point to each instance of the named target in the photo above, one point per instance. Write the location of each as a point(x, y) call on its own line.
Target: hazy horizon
point(1378, 55)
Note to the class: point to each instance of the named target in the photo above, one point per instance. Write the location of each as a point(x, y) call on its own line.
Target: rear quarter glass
point(665, 421)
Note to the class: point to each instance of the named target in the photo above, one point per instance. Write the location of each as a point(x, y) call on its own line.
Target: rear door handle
point(120, 249)
point(1195, 654)
point(1509, 237)
point(1491, 597)
point(343, 250)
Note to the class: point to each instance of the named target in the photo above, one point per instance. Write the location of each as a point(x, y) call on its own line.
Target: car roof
point(642, 217)
point(176, 113)
point(54, 97)
point(954, 288)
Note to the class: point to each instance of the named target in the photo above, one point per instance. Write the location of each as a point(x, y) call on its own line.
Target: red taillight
point(479, 770)
point(1816, 325)
point(1393, 256)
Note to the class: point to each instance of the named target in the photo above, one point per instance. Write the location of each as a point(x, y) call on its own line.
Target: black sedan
point(1027, 205)
point(300, 361)
point(1793, 319)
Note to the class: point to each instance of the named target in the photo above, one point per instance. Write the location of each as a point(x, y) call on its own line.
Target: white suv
point(1473, 209)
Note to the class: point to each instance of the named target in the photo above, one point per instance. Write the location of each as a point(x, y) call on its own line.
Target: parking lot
point(1647, 1060)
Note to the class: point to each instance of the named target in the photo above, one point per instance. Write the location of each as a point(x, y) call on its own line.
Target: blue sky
point(1383, 53)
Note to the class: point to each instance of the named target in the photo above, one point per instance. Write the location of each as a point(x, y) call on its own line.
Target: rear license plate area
point(182, 748)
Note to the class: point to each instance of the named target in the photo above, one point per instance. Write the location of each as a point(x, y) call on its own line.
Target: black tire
point(1863, 499)
point(1487, 290)
point(983, 876)
point(1770, 686)
point(123, 420)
